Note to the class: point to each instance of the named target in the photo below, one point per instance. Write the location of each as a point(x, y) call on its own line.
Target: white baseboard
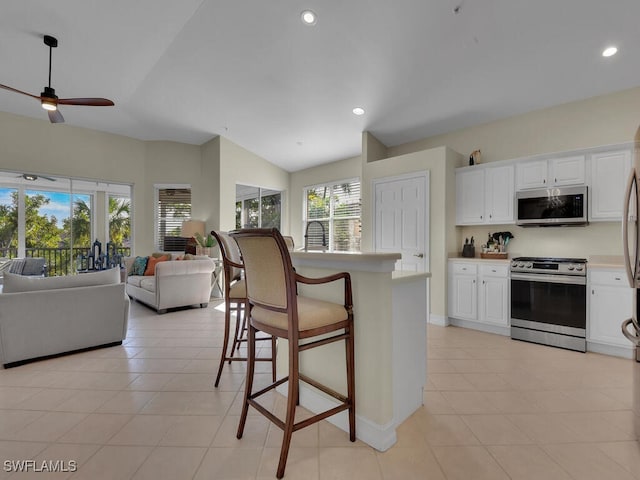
point(606, 349)
point(483, 327)
point(439, 320)
point(380, 437)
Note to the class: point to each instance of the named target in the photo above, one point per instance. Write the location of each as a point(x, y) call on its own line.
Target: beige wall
point(212, 170)
point(330, 172)
point(440, 162)
point(239, 166)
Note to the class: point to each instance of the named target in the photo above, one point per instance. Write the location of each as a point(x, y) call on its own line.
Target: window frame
point(331, 218)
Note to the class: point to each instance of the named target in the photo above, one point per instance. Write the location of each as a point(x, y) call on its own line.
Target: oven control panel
point(564, 266)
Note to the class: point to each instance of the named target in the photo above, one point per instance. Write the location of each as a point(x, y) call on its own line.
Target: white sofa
point(48, 316)
point(176, 283)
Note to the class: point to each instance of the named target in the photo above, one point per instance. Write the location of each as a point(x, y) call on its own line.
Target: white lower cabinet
point(479, 295)
point(610, 303)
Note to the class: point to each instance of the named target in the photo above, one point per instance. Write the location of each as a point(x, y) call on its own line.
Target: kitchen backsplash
point(597, 238)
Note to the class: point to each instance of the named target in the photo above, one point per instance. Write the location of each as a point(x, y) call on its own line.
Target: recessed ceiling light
point(609, 51)
point(308, 17)
point(358, 111)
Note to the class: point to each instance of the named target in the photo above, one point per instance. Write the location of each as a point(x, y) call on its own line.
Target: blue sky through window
point(59, 202)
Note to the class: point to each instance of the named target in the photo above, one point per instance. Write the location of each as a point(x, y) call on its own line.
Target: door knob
point(419, 255)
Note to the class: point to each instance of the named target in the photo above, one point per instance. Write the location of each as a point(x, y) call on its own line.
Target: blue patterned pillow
point(139, 266)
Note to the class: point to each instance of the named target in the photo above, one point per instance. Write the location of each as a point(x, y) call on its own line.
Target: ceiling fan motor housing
point(49, 93)
point(50, 41)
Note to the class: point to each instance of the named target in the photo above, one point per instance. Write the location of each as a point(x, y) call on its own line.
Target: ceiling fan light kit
point(48, 98)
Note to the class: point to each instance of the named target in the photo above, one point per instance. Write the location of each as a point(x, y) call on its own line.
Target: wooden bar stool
point(235, 299)
point(274, 308)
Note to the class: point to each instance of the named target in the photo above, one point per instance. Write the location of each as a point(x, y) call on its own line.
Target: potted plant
point(204, 244)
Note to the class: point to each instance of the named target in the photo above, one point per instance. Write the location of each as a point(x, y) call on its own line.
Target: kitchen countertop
point(605, 261)
point(457, 258)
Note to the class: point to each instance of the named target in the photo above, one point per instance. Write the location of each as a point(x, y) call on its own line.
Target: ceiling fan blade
point(92, 102)
point(19, 91)
point(55, 116)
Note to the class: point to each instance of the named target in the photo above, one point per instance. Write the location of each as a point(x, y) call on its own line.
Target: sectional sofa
point(46, 316)
point(175, 282)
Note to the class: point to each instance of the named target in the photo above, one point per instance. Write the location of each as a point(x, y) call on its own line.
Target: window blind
point(333, 216)
point(173, 207)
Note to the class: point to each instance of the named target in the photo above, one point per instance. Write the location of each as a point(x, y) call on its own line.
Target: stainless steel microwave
point(552, 207)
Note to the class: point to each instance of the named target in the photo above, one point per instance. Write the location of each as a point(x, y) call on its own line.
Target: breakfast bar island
point(390, 313)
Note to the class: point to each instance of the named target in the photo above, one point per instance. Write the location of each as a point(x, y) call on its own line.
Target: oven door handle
point(542, 278)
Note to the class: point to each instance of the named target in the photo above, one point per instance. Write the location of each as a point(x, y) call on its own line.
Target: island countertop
point(362, 261)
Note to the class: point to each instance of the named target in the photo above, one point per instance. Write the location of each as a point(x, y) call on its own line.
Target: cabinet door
point(609, 172)
point(531, 174)
point(470, 197)
point(567, 171)
point(608, 308)
point(494, 300)
point(499, 194)
point(465, 297)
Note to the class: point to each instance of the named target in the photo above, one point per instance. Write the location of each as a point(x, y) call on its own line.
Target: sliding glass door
point(258, 207)
point(56, 218)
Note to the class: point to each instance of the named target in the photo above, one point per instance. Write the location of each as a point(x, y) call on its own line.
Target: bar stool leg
point(251, 362)
point(225, 342)
point(292, 400)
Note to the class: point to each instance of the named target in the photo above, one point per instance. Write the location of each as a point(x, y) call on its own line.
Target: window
point(257, 207)
point(332, 216)
point(52, 217)
point(119, 209)
point(173, 206)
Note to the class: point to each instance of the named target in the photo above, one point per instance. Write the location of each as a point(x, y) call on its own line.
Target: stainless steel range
point(549, 301)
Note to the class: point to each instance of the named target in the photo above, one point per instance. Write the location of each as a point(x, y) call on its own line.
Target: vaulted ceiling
point(251, 71)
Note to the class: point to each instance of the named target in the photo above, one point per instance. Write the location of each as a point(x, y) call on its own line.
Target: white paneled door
point(401, 219)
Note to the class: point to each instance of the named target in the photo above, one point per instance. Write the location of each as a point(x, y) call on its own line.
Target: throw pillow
point(139, 266)
point(151, 264)
point(33, 266)
point(17, 265)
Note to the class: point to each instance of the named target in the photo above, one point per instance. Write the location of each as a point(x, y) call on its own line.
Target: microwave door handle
point(629, 263)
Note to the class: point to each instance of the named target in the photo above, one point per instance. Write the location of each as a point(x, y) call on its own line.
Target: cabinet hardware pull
point(617, 278)
point(544, 180)
point(419, 255)
point(555, 180)
point(593, 292)
point(493, 271)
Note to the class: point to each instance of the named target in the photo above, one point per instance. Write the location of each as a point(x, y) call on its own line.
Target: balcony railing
point(60, 261)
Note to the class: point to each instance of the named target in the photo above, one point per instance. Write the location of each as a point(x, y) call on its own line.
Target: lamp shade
point(191, 227)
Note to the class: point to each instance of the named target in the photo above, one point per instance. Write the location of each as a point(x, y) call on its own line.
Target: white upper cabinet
point(499, 194)
point(531, 174)
point(470, 197)
point(550, 173)
point(484, 195)
point(609, 172)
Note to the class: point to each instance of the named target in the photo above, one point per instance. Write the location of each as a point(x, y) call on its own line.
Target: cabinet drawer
point(609, 277)
point(494, 270)
point(465, 268)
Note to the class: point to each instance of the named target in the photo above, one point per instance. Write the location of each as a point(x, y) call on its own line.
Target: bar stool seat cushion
point(312, 313)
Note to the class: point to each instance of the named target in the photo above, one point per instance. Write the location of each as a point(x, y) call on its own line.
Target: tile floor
point(494, 409)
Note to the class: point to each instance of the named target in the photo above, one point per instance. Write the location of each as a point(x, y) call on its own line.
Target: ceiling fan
point(33, 178)
point(50, 100)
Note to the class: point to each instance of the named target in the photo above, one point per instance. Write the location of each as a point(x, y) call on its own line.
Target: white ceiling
point(249, 70)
